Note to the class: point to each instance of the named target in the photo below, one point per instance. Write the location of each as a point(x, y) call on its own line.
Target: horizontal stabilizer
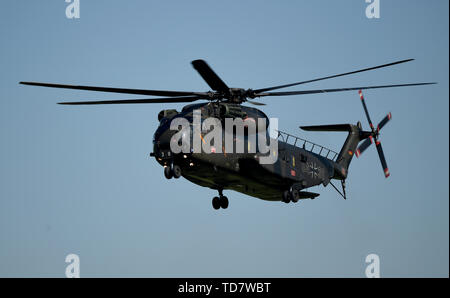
point(331, 127)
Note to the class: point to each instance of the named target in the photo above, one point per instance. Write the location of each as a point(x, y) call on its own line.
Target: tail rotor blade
point(365, 109)
point(367, 142)
point(384, 121)
point(382, 159)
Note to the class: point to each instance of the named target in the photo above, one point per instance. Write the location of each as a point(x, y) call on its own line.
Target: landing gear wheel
point(176, 171)
point(224, 202)
point(216, 203)
point(168, 172)
point(286, 197)
point(294, 196)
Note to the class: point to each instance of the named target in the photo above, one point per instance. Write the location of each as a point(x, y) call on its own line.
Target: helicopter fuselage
point(296, 167)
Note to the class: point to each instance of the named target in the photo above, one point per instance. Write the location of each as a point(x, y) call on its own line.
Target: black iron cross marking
point(314, 170)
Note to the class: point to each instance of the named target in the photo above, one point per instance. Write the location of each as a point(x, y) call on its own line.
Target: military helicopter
point(299, 164)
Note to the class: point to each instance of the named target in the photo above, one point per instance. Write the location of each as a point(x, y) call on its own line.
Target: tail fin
point(355, 135)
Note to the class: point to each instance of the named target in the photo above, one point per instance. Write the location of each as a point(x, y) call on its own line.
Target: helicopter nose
point(163, 142)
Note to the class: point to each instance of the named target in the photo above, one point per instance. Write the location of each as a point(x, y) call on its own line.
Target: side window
point(285, 156)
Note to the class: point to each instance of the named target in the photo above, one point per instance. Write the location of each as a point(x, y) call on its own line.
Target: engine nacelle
point(231, 111)
point(167, 114)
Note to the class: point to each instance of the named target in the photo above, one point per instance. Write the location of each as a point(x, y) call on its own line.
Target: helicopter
point(298, 164)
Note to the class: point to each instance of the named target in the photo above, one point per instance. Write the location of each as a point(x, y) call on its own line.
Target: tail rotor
point(373, 137)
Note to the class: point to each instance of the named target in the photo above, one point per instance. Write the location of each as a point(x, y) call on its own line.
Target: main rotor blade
point(384, 121)
point(382, 159)
point(135, 101)
point(213, 80)
point(333, 76)
point(256, 103)
point(118, 90)
point(335, 90)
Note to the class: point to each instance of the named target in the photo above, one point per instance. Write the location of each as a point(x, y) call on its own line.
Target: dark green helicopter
point(298, 163)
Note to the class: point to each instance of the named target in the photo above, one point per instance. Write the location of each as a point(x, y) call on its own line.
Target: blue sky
point(79, 179)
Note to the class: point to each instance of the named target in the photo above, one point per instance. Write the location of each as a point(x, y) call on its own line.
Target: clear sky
point(79, 179)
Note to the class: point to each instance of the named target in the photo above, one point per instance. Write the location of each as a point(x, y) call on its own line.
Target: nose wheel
point(172, 171)
point(220, 202)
